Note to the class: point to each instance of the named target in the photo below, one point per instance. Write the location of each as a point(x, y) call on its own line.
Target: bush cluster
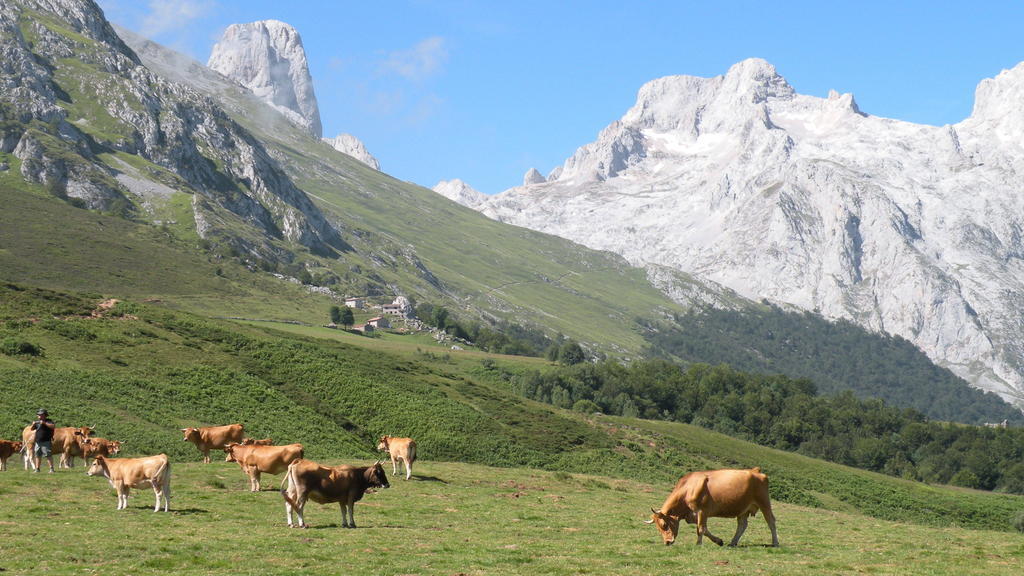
point(787, 413)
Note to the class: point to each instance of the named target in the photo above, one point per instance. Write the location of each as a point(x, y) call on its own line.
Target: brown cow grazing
point(255, 460)
point(403, 449)
point(324, 484)
point(715, 494)
point(7, 449)
point(254, 442)
point(93, 447)
point(65, 442)
point(127, 473)
point(214, 437)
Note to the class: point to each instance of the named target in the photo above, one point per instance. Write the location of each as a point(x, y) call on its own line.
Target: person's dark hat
point(41, 411)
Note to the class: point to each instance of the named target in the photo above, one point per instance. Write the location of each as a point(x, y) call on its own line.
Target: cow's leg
point(344, 514)
point(300, 507)
point(741, 527)
point(408, 468)
point(394, 466)
point(288, 509)
point(3, 464)
point(157, 491)
point(206, 456)
point(256, 480)
point(351, 514)
point(702, 530)
point(769, 517)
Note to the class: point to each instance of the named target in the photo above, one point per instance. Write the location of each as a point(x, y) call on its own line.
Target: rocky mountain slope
point(83, 117)
point(908, 229)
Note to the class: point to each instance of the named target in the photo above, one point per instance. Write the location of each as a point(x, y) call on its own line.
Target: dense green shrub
point(12, 346)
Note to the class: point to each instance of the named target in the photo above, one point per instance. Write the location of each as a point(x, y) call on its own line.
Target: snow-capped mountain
point(267, 57)
point(354, 147)
point(909, 229)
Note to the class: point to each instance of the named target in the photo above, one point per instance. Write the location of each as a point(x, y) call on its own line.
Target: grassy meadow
point(449, 519)
point(505, 485)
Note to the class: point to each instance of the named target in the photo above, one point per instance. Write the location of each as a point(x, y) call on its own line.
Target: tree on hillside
point(571, 353)
point(347, 318)
point(336, 315)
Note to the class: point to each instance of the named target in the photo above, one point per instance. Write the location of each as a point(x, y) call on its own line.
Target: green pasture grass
point(449, 519)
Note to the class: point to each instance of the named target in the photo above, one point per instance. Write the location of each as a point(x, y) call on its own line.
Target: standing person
point(44, 428)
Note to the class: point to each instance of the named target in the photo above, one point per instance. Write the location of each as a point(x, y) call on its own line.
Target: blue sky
point(483, 91)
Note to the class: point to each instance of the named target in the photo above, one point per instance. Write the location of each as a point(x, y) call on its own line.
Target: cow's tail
point(164, 476)
point(412, 452)
point(167, 483)
point(287, 482)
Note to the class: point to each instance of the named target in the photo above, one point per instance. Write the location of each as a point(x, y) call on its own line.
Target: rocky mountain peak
point(533, 176)
point(267, 57)
point(999, 103)
point(908, 229)
point(354, 147)
point(460, 192)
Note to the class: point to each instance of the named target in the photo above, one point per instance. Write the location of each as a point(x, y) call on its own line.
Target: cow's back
point(734, 492)
point(136, 471)
point(270, 459)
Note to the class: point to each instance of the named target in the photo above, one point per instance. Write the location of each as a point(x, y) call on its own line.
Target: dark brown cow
point(214, 437)
point(715, 494)
point(254, 442)
point(127, 473)
point(7, 449)
point(65, 443)
point(400, 449)
point(324, 484)
point(255, 460)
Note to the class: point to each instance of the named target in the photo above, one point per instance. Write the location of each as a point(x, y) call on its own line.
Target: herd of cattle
point(696, 497)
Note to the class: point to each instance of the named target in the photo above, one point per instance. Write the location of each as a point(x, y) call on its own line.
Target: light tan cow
point(400, 449)
point(325, 484)
point(255, 460)
point(214, 437)
point(7, 449)
point(715, 494)
point(127, 473)
point(261, 442)
point(93, 447)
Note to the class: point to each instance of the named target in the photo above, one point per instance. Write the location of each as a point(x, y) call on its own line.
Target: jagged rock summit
point(354, 147)
point(460, 192)
point(267, 57)
point(913, 230)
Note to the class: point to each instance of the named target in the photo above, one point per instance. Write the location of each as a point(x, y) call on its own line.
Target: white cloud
point(419, 62)
point(172, 15)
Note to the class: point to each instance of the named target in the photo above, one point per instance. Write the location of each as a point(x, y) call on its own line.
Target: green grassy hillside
point(141, 372)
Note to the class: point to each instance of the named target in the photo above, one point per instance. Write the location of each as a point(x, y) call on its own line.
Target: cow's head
point(229, 452)
point(85, 431)
point(375, 476)
point(191, 434)
point(383, 444)
point(115, 447)
point(17, 446)
point(97, 466)
point(668, 525)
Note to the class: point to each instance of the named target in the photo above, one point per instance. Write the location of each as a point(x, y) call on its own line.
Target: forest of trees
point(787, 413)
point(836, 355)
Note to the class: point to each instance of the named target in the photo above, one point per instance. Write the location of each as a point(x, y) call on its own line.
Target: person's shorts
point(43, 449)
